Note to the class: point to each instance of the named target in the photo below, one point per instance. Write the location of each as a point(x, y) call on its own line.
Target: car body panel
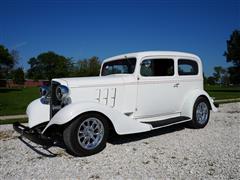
point(121, 122)
point(128, 100)
point(37, 113)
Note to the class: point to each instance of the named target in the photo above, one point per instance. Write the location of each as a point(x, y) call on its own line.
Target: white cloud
point(19, 45)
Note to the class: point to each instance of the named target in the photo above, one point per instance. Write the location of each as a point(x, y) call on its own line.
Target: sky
point(85, 28)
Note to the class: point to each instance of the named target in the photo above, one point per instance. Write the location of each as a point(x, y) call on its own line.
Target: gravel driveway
point(170, 153)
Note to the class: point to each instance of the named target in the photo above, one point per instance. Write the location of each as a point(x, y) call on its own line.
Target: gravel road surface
point(175, 152)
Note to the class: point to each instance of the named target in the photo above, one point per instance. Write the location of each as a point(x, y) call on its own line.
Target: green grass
point(11, 121)
point(15, 101)
point(223, 92)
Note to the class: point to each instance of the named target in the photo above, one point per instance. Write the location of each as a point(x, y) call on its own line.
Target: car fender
point(121, 122)
point(37, 113)
point(190, 98)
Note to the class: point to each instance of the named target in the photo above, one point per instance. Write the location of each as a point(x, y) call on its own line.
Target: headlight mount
point(62, 92)
point(44, 91)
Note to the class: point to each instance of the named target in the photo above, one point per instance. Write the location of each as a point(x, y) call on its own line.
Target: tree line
point(48, 65)
point(230, 75)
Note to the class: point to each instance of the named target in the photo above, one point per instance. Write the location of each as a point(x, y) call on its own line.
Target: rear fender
point(121, 122)
point(188, 103)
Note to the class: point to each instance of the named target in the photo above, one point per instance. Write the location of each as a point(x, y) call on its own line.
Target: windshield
point(121, 66)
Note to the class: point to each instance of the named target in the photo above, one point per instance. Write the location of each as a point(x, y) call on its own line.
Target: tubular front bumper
point(32, 135)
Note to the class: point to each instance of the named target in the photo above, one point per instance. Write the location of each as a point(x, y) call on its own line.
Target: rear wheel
point(201, 113)
point(86, 135)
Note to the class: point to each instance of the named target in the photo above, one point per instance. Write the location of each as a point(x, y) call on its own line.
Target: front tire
point(201, 113)
point(86, 135)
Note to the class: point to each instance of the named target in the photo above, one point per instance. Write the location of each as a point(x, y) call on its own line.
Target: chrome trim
point(202, 113)
point(90, 133)
point(44, 91)
point(62, 92)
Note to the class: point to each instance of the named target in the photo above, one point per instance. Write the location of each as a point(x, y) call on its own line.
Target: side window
point(187, 67)
point(157, 67)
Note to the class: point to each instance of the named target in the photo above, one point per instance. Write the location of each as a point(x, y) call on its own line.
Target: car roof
point(152, 53)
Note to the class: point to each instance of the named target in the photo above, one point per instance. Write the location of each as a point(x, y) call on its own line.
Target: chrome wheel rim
point(90, 133)
point(202, 113)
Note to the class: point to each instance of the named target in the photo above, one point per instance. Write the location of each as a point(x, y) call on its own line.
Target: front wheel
point(86, 135)
point(201, 113)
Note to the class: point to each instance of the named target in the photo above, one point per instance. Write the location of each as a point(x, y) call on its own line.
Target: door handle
point(176, 85)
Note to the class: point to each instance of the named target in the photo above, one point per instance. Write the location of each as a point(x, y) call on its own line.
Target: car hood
point(96, 81)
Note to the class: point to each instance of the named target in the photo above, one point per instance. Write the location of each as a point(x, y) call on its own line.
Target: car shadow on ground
point(40, 149)
point(114, 139)
point(122, 139)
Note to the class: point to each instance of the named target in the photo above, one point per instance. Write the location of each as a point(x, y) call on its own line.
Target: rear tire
point(201, 113)
point(86, 135)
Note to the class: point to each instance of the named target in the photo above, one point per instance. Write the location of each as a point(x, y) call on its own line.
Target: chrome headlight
point(44, 91)
point(62, 92)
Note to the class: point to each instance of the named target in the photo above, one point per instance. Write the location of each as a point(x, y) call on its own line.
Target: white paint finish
point(189, 100)
point(112, 97)
point(61, 81)
point(122, 123)
point(125, 97)
point(128, 98)
point(119, 93)
point(81, 82)
point(158, 117)
point(140, 55)
point(37, 113)
point(104, 96)
point(156, 96)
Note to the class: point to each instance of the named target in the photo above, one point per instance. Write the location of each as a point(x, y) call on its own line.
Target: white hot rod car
point(135, 92)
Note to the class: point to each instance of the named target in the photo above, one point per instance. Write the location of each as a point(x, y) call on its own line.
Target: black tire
point(71, 140)
point(196, 122)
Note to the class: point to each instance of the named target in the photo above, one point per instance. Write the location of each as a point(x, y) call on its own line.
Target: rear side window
point(157, 67)
point(187, 67)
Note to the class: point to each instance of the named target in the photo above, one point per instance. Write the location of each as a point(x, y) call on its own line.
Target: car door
point(157, 88)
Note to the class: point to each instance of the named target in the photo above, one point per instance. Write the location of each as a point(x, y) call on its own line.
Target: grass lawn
point(223, 92)
point(15, 101)
point(11, 121)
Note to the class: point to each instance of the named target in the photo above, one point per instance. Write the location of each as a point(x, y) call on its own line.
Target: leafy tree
point(15, 54)
point(35, 70)
point(94, 66)
point(6, 62)
point(83, 68)
point(221, 76)
point(234, 77)
point(225, 78)
point(18, 76)
point(88, 67)
point(218, 73)
point(49, 65)
point(233, 48)
point(211, 80)
point(232, 55)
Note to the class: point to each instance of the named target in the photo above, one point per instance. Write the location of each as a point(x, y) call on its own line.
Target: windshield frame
point(128, 59)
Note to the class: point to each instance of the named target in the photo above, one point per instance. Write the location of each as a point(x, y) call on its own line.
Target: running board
point(169, 121)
